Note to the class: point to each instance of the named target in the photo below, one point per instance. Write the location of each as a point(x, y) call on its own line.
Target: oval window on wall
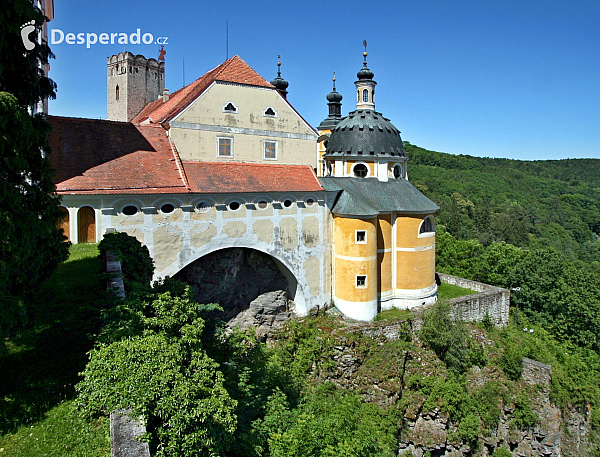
point(130, 210)
point(287, 203)
point(234, 206)
point(167, 208)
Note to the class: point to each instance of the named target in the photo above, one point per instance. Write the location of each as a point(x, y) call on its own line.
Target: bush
point(447, 337)
point(502, 452)
point(136, 263)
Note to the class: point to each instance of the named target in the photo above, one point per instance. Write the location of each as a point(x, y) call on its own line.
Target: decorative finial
point(279, 65)
point(334, 80)
point(365, 53)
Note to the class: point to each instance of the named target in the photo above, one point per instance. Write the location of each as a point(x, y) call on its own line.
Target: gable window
point(270, 150)
point(230, 108)
point(365, 95)
point(360, 170)
point(360, 236)
point(224, 147)
point(361, 281)
point(427, 226)
point(269, 112)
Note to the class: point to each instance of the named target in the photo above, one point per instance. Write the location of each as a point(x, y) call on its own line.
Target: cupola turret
point(280, 84)
point(334, 100)
point(365, 86)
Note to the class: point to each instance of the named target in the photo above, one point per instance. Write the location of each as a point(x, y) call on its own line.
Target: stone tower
point(132, 83)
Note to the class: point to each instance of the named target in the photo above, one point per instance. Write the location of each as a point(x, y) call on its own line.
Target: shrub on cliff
point(136, 263)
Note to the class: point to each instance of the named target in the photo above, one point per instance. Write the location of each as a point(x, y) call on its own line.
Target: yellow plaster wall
point(407, 232)
point(313, 275)
point(235, 229)
point(344, 236)
point(200, 236)
point(288, 233)
point(345, 270)
point(384, 231)
point(263, 229)
point(209, 215)
point(310, 231)
point(167, 243)
point(384, 261)
point(350, 163)
point(251, 102)
point(240, 212)
point(416, 269)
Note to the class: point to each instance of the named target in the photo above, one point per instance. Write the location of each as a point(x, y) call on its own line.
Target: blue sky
point(515, 79)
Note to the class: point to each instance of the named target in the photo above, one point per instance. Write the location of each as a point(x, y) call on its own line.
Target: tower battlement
point(133, 81)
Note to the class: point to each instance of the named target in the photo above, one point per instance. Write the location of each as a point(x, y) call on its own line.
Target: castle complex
point(227, 162)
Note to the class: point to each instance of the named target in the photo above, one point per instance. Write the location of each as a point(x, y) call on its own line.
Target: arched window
point(365, 95)
point(427, 226)
point(117, 92)
point(397, 171)
point(360, 170)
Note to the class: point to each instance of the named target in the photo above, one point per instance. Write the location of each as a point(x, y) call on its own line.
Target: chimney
point(165, 96)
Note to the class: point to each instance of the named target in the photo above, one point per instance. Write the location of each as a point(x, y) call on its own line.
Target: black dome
point(364, 73)
point(280, 83)
point(334, 96)
point(365, 133)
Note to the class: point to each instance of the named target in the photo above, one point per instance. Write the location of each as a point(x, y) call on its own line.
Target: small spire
point(334, 80)
point(365, 53)
point(280, 84)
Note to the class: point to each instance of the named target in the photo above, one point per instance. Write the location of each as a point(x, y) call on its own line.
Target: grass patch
point(393, 313)
point(44, 358)
point(450, 291)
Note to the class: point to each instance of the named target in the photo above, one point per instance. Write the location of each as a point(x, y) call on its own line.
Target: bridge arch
point(293, 272)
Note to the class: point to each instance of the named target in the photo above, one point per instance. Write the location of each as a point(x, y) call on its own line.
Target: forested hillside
point(554, 203)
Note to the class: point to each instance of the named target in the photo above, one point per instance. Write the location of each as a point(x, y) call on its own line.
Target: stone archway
point(253, 288)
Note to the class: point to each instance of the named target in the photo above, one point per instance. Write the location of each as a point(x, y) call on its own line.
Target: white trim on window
point(363, 280)
point(429, 233)
point(360, 234)
point(230, 111)
point(354, 165)
point(273, 148)
point(225, 139)
point(265, 114)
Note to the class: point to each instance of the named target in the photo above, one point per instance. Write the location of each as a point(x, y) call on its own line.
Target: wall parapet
point(490, 301)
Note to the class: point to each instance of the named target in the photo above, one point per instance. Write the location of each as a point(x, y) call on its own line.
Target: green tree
point(154, 362)
point(31, 245)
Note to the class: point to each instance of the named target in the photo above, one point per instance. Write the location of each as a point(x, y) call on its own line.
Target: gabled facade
point(228, 162)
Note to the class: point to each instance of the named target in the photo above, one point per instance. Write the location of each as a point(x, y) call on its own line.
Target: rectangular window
point(224, 147)
point(360, 236)
point(361, 281)
point(270, 150)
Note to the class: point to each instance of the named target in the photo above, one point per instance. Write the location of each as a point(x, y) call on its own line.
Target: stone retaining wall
point(123, 429)
point(489, 301)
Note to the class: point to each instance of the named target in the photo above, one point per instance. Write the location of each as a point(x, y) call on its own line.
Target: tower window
point(397, 171)
point(365, 95)
point(361, 281)
point(270, 150)
point(427, 226)
point(360, 236)
point(225, 147)
point(117, 92)
point(360, 170)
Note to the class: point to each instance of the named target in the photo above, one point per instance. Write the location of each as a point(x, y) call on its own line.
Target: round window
point(167, 208)
point(130, 210)
point(287, 203)
point(310, 202)
point(262, 204)
point(234, 206)
point(397, 171)
point(360, 170)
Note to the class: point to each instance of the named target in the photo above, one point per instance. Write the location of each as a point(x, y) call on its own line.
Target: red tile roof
point(98, 156)
point(233, 70)
point(95, 157)
point(237, 177)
